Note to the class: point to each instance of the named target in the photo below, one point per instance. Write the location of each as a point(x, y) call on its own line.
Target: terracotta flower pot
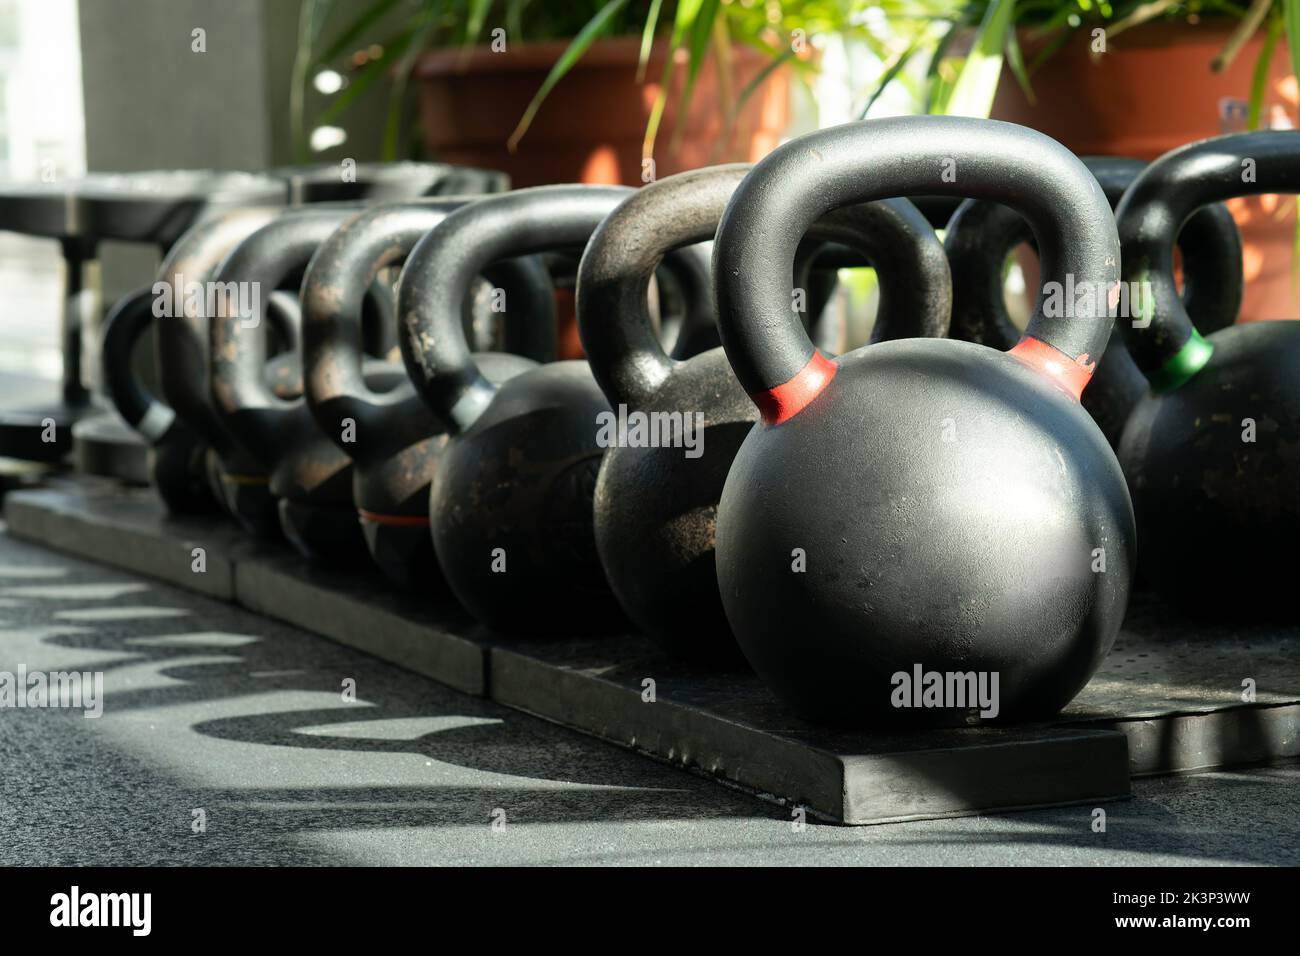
point(591, 127)
point(1153, 90)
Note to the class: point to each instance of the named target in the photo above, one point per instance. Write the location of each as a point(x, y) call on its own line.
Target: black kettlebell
point(937, 210)
point(693, 329)
point(181, 343)
point(982, 234)
point(392, 438)
point(510, 504)
point(687, 324)
point(923, 506)
point(1212, 453)
point(656, 504)
point(816, 268)
point(385, 182)
point(309, 478)
point(177, 459)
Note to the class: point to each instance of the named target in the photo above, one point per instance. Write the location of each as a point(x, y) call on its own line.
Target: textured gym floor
point(209, 708)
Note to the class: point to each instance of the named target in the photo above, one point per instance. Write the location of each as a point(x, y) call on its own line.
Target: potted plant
point(580, 91)
point(1127, 78)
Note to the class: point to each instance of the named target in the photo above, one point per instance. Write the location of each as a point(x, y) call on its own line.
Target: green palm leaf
point(972, 93)
point(355, 30)
point(585, 38)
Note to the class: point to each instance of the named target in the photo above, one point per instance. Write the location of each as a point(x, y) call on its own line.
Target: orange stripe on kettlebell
point(780, 404)
point(399, 521)
point(1069, 375)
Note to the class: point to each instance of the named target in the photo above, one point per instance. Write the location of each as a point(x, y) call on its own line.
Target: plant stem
point(307, 30)
point(1245, 29)
point(1140, 15)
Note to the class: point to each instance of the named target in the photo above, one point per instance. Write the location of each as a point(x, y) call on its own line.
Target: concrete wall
point(152, 101)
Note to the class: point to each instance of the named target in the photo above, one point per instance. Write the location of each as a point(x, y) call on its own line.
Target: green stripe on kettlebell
point(1189, 360)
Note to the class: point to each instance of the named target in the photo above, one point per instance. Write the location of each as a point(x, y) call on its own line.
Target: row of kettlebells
point(923, 501)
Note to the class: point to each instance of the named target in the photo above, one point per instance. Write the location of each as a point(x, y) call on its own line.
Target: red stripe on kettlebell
point(780, 404)
point(400, 521)
point(1069, 375)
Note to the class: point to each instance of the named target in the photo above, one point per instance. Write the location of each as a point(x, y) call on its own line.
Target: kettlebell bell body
point(309, 478)
point(656, 501)
point(1210, 451)
point(176, 454)
point(922, 506)
point(510, 503)
point(181, 342)
point(392, 438)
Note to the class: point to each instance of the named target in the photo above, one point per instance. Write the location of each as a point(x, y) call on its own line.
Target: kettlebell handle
point(445, 261)
point(133, 316)
point(128, 320)
point(261, 263)
point(982, 234)
point(626, 356)
point(895, 239)
point(1164, 343)
point(802, 180)
point(182, 340)
point(334, 289)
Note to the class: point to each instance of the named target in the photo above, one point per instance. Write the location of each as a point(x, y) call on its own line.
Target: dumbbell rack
point(1168, 699)
point(149, 208)
point(52, 211)
point(155, 208)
